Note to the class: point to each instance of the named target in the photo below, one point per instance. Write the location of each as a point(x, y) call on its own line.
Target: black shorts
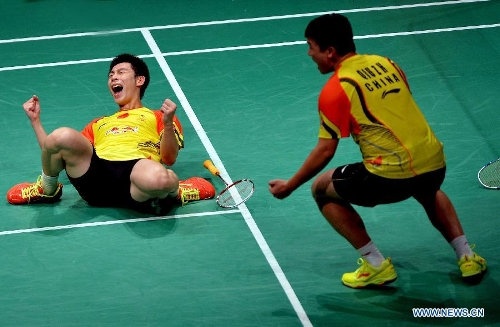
point(106, 183)
point(356, 185)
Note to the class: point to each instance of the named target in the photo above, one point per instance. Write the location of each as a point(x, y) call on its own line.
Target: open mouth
point(116, 88)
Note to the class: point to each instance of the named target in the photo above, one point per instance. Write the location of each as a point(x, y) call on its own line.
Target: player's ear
point(139, 80)
point(331, 51)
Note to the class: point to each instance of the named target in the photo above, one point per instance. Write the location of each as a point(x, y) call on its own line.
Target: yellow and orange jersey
point(368, 98)
point(130, 134)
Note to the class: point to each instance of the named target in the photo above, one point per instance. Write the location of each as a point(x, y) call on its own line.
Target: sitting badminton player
point(119, 160)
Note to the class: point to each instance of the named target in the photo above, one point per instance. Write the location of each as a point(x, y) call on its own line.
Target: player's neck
point(131, 105)
point(343, 58)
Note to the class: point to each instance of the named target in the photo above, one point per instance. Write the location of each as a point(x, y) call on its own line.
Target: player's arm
point(169, 146)
point(319, 157)
point(32, 110)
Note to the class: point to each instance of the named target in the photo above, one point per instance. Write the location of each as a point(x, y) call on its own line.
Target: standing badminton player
point(368, 97)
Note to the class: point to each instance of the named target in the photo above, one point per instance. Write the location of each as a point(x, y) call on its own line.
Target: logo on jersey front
point(122, 130)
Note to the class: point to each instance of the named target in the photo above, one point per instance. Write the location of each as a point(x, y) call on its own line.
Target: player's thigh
point(152, 178)
point(72, 147)
point(356, 185)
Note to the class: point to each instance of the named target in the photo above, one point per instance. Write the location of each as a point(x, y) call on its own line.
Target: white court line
point(255, 46)
point(271, 259)
point(236, 21)
point(115, 222)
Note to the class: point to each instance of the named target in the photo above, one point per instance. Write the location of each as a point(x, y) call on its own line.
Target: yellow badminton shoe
point(368, 275)
point(30, 193)
point(472, 266)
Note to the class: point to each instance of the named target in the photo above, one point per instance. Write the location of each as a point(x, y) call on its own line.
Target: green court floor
point(247, 95)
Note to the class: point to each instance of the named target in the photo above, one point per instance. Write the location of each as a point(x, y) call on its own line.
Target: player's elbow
point(168, 160)
point(169, 155)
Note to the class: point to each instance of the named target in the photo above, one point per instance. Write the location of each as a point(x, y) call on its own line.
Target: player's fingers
point(28, 104)
point(169, 104)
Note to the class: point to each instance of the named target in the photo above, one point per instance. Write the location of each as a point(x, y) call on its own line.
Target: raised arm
point(32, 110)
point(169, 147)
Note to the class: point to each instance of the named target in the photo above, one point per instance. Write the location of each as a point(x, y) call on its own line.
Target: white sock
point(370, 253)
point(461, 247)
point(49, 184)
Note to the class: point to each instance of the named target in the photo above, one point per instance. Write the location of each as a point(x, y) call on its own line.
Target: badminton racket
point(233, 194)
point(489, 174)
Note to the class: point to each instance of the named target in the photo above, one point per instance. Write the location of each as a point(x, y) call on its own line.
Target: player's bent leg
point(339, 213)
point(347, 222)
point(65, 148)
point(150, 179)
point(443, 217)
point(441, 213)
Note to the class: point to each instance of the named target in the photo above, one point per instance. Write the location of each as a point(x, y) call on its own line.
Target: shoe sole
point(45, 201)
point(474, 274)
point(374, 284)
point(474, 279)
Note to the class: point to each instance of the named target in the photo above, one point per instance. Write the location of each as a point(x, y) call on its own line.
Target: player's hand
point(279, 188)
point(32, 108)
point(168, 108)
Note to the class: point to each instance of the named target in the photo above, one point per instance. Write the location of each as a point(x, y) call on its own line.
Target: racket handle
point(210, 166)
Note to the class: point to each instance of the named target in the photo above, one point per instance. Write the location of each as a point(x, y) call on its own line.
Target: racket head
point(235, 194)
point(489, 175)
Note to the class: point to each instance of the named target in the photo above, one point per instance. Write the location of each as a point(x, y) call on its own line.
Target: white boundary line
point(115, 222)
point(246, 47)
point(242, 20)
point(285, 284)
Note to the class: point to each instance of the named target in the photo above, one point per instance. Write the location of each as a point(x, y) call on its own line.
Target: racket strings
point(490, 175)
point(236, 193)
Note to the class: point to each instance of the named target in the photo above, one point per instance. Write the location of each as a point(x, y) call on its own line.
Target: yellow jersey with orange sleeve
point(130, 134)
point(368, 97)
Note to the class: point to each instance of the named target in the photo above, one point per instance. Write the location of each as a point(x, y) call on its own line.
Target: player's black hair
point(331, 30)
point(139, 66)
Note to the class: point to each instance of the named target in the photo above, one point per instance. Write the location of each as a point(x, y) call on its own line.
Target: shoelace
point(189, 194)
point(31, 191)
point(468, 258)
point(362, 266)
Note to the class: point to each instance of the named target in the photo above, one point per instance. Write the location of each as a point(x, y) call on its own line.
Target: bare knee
point(318, 187)
point(323, 191)
point(319, 191)
point(56, 140)
point(168, 180)
point(163, 180)
point(322, 186)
